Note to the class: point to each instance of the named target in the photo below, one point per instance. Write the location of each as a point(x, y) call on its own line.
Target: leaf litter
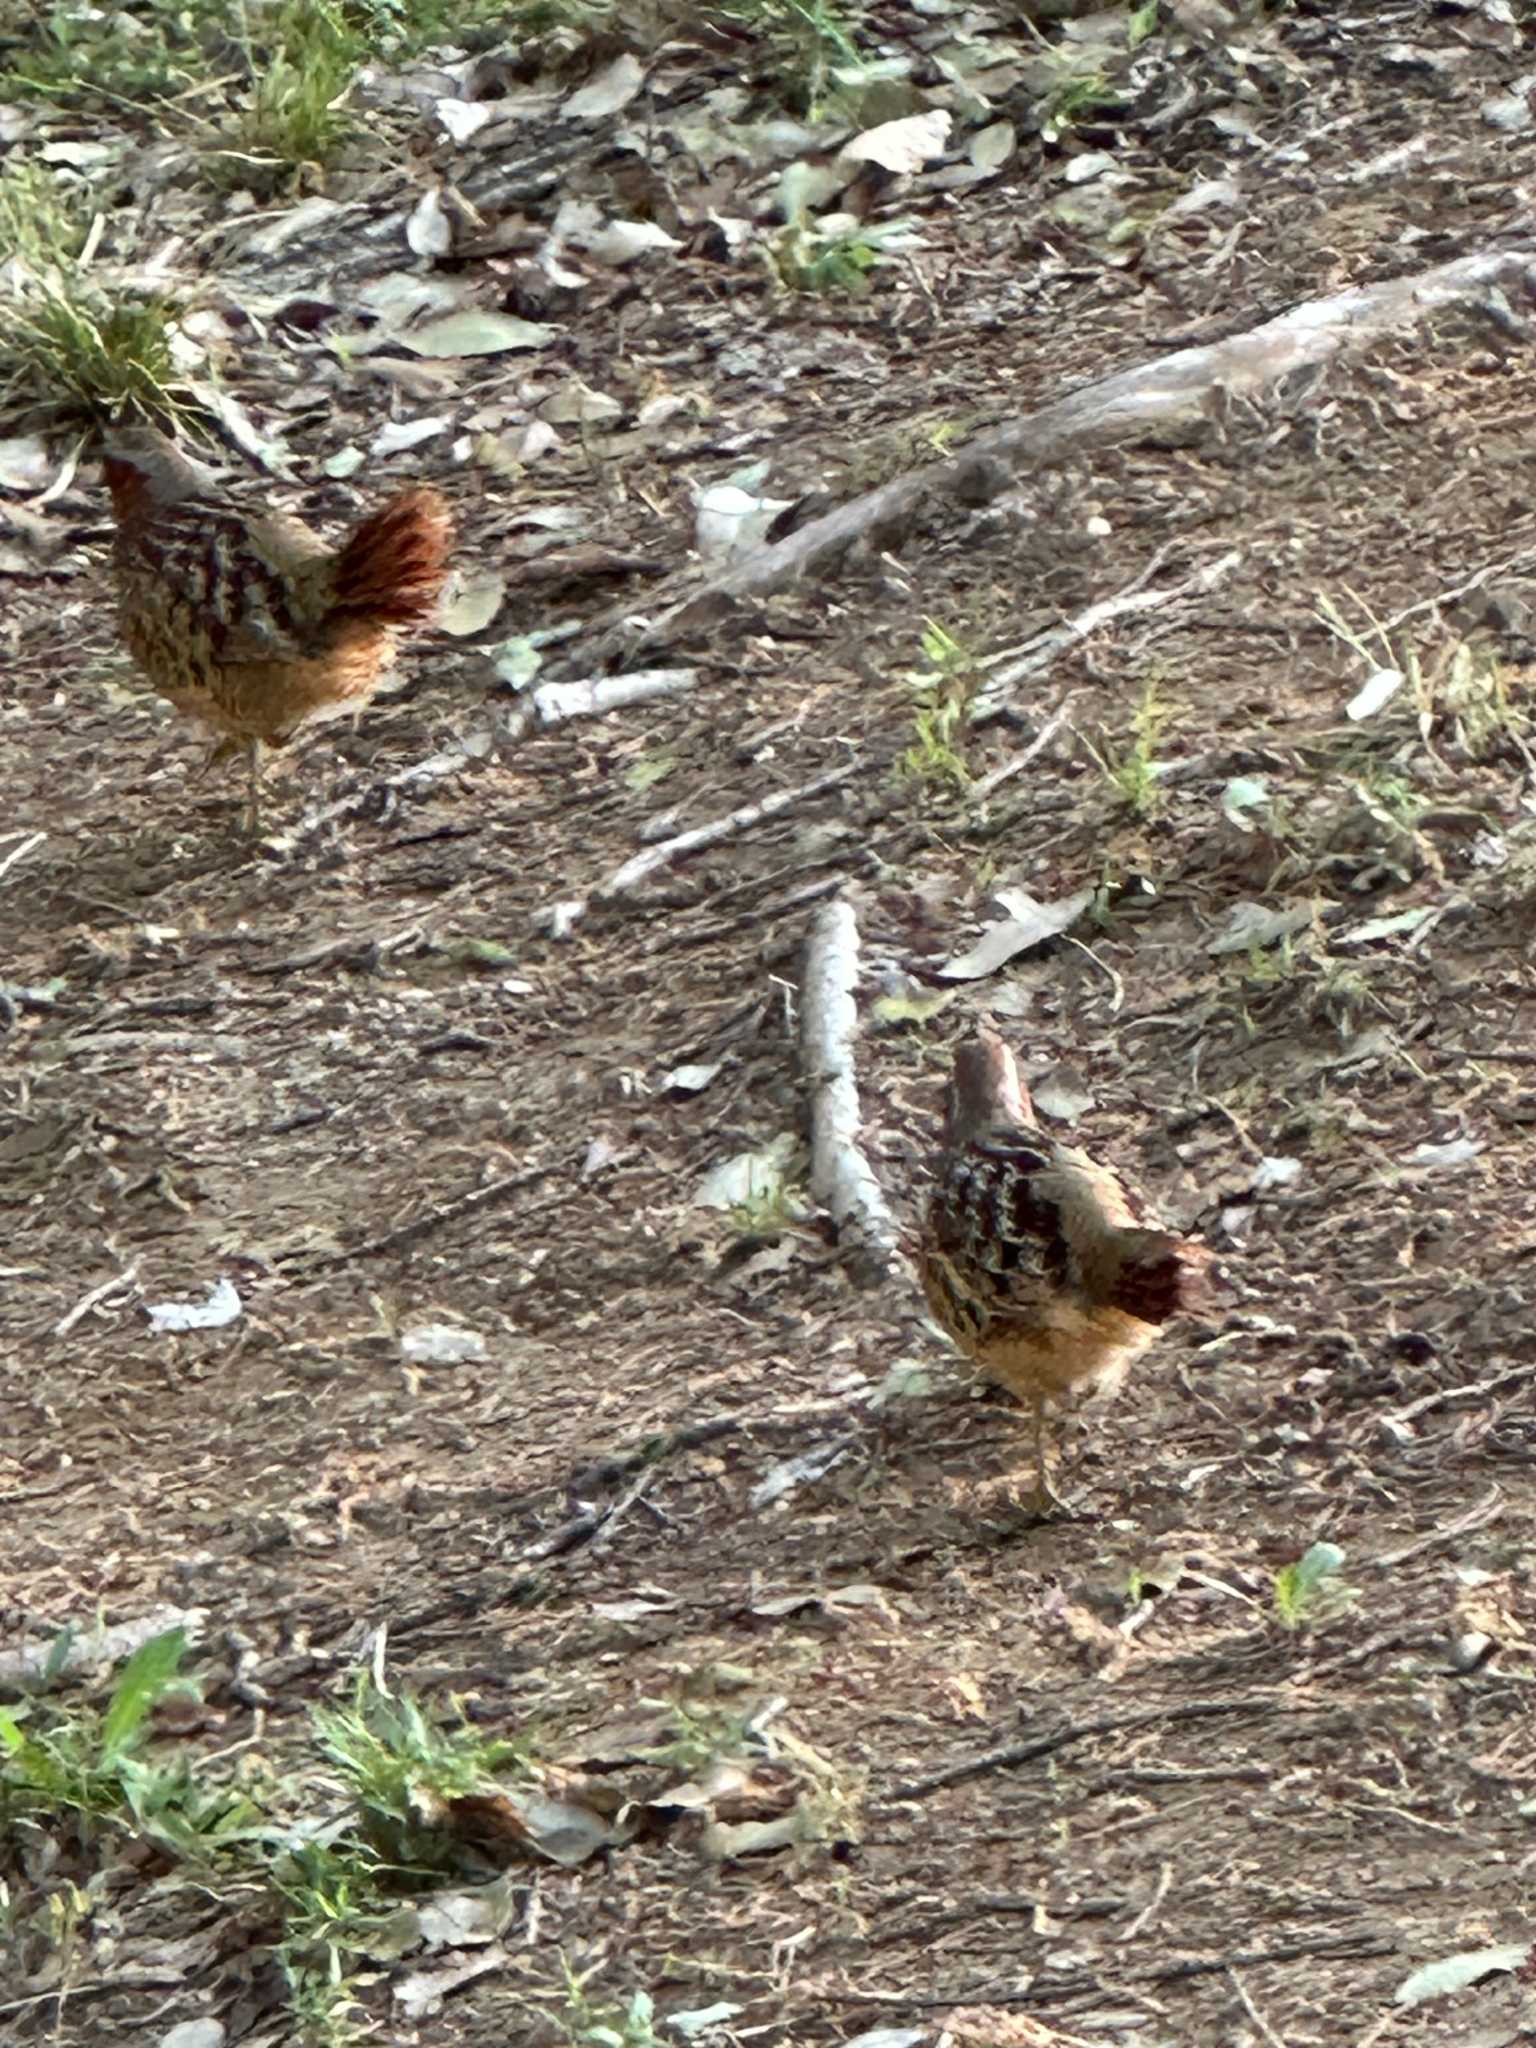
point(295, 1063)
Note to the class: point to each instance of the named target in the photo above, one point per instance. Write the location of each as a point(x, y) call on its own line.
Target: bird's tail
point(391, 567)
point(1159, 1275)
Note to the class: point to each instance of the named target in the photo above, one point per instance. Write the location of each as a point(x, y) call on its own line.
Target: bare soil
point(1096, 1789)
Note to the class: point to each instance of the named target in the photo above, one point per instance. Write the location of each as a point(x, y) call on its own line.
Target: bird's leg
point(253, 806)
point(1046, 1495)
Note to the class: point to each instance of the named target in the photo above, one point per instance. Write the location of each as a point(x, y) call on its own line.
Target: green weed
point(1310, 1592)
point(1132, 770)
point(945, 687)
point(67, 348)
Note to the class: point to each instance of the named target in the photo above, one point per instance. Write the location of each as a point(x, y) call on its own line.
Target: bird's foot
point(1013, 1505)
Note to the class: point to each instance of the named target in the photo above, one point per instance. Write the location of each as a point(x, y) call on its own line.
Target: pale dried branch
point(841, 1177)
point(1177, 392)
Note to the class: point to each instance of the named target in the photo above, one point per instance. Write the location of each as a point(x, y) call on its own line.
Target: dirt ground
point(1089, 1786)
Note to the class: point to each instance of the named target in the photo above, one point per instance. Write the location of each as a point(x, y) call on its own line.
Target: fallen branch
point(555, 704)
point(1173, 393)
point(841, 1177)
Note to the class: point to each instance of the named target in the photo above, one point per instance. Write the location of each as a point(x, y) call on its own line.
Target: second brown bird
point(1034, 1259)
point(255, 625)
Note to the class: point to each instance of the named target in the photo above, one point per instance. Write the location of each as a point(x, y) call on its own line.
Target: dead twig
point(1044, 651)
point(625, 880)
point(1014, 1753)
point(420, 1226)
point(1252, 2010)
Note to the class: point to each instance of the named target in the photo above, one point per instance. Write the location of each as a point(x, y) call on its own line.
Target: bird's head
point(139, 462)
point(985, 1092)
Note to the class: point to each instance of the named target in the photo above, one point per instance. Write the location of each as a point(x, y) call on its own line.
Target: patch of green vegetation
point(43, 221)
point(404, 1771)
point(803, 42)
point(77, 55)
point(587, 2024)
point(945, 687)
point(84, 1763)
point(834, 254)
point(294, 118)
point(1310, 1592)
point(335, 1886)
point(1132, 768)
point(69, 349)
point(1470, 703)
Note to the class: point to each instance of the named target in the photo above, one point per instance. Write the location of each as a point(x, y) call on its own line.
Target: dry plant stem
point(1180, 390)
point(841, 1177)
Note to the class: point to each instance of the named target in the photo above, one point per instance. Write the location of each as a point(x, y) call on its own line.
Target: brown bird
point(256, 626)
point(1034, 1259)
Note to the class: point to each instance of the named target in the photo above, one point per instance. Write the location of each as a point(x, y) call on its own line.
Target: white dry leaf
point(477, 332)
point(1030, 924)
point(79, 156)
point(345, 462)
point(1092, 164)
point(577, 404)
point(272, 232)
point(891, 2037)
point(1062, 1094)
point(222, 1306)
point(396, 435)
point(748, 1176)
point(559, 1829)
point(1389, 927)
point(703, 2018)
point(690, 1080)
point(441, 1344)
point(474, 605)
point(203, 2033)
point(1439, 1158)
point(421, 1994)
point(1457, 1973)
point(536, 439)
point(400, 296)
point(464, 118)
point(1251, 924)
point(991, 147)
point(802, 1471)
point(656, 412)
point(25, 464)
point(901, 146)
point(428, 230)
point(723, 1843)
point(621, 241)
point(1244, 793)
point(1209, 192)
point(1274, 1172)
point(730, 522)
point(613, 87)
point(1379, 688)
point(467, 1918)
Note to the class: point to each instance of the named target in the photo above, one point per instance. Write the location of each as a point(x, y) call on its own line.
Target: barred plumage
point(256, 626)
point(1036, 1260)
